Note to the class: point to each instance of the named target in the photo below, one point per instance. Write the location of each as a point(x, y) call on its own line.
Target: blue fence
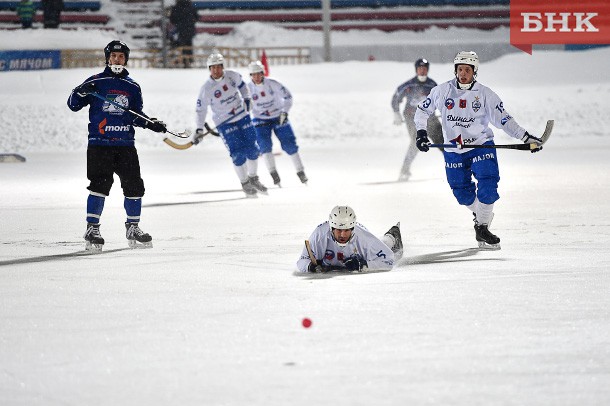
point(68, 5)
point(30, 60)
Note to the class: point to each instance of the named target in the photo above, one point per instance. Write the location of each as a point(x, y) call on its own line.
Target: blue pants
point(483, 164)
point(240, 139)
point(284, 133)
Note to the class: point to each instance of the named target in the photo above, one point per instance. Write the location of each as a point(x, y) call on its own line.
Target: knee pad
point(101, 185)
point(464, 196)
point(487, 190)
point(133, 187)
point(238, 158)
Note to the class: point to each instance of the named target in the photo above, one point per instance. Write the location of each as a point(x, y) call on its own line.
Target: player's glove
point(156, 126)
point(283, 117)
point(199, 134)
point(319, 268)
point(248, 105)
point(397, 118)
point(530, 139)
point(85, 89)
point(355, 263)
point(422, 141)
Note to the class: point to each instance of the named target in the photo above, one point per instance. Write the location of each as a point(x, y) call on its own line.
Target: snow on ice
point(212, 315)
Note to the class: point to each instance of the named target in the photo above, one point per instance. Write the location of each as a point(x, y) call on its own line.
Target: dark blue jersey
point(110, 125)
point(414, 91)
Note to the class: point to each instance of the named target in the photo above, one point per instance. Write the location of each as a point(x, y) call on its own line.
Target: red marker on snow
point(306, 322)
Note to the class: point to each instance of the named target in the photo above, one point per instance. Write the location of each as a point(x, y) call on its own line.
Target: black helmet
point(422, 62)
point(116, 46)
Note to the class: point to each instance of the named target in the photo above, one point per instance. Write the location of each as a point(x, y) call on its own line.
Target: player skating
point(467, 107)
point(343, 244)
point(111, 146)
point(271, 102)
point(415, 90)
point(229, 99)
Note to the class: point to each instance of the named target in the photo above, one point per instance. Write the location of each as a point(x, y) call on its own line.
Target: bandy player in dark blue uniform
point(111, 146)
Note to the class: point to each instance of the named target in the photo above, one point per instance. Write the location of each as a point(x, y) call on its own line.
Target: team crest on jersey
point(329, 255)
point(217, 94)
point(457, 140)
point(449, 103)
point(462, 103)
point(119, 99)
point(476, 104)
point(254, 97)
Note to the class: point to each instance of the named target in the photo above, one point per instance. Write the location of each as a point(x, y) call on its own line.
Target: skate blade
point(252, 196)
point(93, 248)
point(489, 247)
point(133, 244)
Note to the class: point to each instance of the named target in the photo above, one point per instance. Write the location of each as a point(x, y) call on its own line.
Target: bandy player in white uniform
point(343, 244)
point(227, 95)
point(467, 107)
point(271, 102)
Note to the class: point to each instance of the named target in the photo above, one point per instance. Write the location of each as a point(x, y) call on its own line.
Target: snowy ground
point(212, 314)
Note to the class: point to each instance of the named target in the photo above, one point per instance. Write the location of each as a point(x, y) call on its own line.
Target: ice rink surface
point(212, 314)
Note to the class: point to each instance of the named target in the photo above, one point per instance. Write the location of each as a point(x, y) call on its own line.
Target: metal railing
point(189, 57)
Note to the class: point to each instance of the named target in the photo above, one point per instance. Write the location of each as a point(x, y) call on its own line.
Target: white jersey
point(225, 97)
point(269, 99)
point(363, 242)
point(466, 114)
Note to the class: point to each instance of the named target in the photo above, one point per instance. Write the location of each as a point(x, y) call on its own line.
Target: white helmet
point(342, 218)
point(256, 67)
point(467, 58)
point(215, 58)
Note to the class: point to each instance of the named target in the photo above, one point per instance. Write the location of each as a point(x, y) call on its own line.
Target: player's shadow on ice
point(191, 203)
point(445, 256)
point(56, 257)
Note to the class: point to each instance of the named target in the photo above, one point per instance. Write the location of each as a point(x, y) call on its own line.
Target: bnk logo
point(559, 22)
point(553, 22)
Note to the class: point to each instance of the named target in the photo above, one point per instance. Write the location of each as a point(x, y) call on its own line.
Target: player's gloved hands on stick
point(422, 141)
point(397, 118)
point(156, 126)
point(530, 139)
point(319, 268)
point(355, 263)
point(85, 89)
point(283, 117)
point(199, 134)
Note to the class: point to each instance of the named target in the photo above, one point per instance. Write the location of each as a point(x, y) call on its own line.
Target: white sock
point(485, 213)
point(388, 240)
point(269, 161)
point(473, 206)
point(296, 161)
point(242, 173)
point(252, 165)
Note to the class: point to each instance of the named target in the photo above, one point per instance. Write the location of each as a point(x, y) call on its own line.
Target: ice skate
point(249, 189)
point(276, 178)
point(397, 248)
point(93, 239)
point(136, 238)
point(302, 177)
point(487, 240)
point(254, 181)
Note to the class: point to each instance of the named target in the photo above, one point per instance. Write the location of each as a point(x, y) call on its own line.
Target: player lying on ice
point(345, 245)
